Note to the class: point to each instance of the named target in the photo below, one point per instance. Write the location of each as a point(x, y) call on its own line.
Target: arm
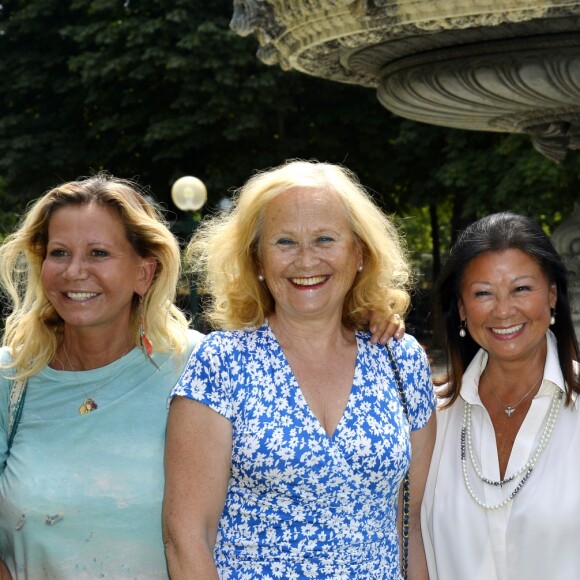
point(198, 452)
point(4, 572)
point(422, 443)
point(382, 329)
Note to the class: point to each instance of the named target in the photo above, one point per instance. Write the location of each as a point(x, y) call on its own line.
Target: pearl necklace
point(526, 469)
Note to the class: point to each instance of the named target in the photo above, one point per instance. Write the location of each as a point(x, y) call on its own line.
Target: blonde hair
point(225, 249)
point(33, 328)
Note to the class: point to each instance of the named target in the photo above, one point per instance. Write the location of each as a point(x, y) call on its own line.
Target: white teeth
point(308, 281)
point(80, 296)
point(509, 330)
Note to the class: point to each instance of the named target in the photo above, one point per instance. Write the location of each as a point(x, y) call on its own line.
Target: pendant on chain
point(88, 406)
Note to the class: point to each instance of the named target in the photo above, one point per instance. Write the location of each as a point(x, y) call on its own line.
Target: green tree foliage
point(143, 89)
point(153, 90)
point(40, 119)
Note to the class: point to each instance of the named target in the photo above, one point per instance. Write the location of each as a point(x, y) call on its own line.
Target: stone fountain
point(489, 65)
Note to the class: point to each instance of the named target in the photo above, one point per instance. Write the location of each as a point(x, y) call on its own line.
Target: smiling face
point(91, 272)
point(309, 255)
point(505, 298)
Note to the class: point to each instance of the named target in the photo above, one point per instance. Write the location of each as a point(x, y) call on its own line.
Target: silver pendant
point(509, 411)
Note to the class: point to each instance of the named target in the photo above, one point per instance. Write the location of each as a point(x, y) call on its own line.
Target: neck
point(514, 378)
point(311, 336)
point(80, 352)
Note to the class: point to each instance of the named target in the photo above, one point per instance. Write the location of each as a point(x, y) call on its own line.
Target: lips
point(310, 281)
point(509, 330)
point(80, 296)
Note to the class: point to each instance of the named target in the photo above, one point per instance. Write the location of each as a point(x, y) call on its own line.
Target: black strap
point(406, 494)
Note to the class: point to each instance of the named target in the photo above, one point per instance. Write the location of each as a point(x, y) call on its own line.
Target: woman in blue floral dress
point(287, 438)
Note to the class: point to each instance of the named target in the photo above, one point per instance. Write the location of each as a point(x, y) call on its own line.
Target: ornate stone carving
point(566, 239)
point(495, 65)
point(258, 16)
point(529, 85)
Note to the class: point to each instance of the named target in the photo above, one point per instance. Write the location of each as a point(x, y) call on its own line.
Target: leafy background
point(154, 90)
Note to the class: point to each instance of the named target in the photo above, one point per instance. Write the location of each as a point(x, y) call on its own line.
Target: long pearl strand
point(553, 412)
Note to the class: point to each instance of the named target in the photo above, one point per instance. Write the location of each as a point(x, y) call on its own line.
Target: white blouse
point(534, 537)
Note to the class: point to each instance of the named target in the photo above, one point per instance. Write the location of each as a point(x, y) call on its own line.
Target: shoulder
point(221, 346)
point(412, 362)
point(5, 386)
point(5, 356)
point(193, 337)
point(408, 349)
point(229, 340)
point(5, 373)
point(407, 344)
point(415, 372)
point(215, 365)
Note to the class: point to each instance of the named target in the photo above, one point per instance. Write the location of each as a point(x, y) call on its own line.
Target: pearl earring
point(553, 317)
point(360, 268)
point(462, 331)
point(261, 277)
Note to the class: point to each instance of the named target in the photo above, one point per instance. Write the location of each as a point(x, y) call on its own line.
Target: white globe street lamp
point(189, 193)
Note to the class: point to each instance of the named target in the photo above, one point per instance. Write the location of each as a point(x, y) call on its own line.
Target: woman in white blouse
point(502, 500)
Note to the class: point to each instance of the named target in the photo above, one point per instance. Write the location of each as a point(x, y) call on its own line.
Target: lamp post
point(189, 193)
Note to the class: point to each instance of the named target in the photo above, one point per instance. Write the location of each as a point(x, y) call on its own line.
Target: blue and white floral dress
point(301, 503)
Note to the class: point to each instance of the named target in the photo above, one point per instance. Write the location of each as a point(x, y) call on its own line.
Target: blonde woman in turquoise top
point(91, 273)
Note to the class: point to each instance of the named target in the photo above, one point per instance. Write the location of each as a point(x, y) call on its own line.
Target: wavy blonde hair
point(33, 328)
point(225, 251)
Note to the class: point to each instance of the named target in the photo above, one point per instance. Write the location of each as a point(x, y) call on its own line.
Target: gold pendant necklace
point(89, 404)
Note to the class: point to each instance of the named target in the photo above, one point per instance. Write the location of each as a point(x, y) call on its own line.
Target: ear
point(461, 308)
point(359, 252)
point(146, 271)
point(553, 295)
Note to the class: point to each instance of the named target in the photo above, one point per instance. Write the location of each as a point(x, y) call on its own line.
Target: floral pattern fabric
point(301, 503)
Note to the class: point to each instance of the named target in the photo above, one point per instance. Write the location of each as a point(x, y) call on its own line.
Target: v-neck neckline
point(301, 399)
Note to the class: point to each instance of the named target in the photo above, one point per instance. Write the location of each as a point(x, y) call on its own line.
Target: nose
point(306, 256)
point(75, 268)
point(504, 307)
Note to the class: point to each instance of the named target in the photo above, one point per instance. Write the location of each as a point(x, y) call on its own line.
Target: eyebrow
point(515, 280)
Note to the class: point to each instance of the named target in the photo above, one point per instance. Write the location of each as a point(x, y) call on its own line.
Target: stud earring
point(462, 329)
point(553, 317)
point(360, 268)
point(261, 277)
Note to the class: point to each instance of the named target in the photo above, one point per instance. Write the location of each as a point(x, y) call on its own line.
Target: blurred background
point(155, 91)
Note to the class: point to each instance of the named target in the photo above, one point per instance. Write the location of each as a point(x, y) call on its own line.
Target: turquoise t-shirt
point(80, 495)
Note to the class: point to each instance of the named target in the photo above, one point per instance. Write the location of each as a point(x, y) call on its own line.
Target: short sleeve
point(206, 377)
point(415, 372)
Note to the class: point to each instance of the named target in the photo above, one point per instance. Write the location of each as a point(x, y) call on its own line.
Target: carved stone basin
point(491, 65)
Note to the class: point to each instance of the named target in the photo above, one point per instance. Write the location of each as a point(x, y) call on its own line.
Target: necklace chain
point(526, 469)
point(89, 404)
point(510, 409)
